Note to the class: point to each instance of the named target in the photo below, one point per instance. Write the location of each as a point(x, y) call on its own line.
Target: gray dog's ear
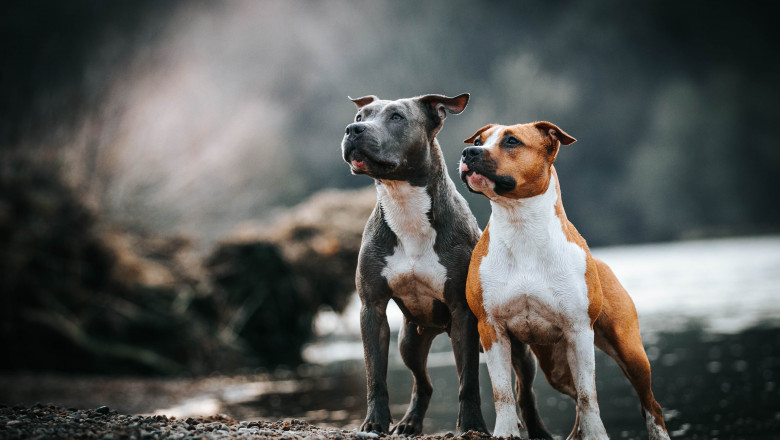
point(360, 102)
point(440, 103)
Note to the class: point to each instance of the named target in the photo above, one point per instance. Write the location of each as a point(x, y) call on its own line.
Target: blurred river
point(710, 319)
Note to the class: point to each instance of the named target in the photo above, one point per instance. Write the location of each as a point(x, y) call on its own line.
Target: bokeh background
point(173, 201)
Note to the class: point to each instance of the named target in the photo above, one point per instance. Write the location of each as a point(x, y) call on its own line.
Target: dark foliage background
point(193, 117)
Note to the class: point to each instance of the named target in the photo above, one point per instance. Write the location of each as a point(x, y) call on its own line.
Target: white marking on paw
point(499, 363)
point(654, 431)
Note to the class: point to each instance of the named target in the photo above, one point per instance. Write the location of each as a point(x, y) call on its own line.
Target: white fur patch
point(413, 271)
point(533, 282)
point(582, 362)
point(492, 139)
point(533, 278)
point(654, 431)
point(499, 361)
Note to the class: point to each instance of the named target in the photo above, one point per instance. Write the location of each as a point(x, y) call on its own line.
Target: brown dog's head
point(511, 161)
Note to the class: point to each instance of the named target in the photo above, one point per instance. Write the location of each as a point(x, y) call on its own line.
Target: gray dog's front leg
point(376, 339)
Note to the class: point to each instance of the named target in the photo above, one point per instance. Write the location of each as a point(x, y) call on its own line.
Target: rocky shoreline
point(53, 422)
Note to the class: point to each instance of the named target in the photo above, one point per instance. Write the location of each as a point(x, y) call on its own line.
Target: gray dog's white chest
point(413, 270)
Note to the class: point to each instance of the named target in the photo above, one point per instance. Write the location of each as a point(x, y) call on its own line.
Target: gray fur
point(407, 150)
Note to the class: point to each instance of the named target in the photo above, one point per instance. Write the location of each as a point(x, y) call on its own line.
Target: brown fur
point(487, 333)
point(595, 297)
point(611, 310)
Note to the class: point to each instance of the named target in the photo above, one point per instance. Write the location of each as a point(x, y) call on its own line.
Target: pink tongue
point(478, 179)
point(358, 163)
point(464, 167)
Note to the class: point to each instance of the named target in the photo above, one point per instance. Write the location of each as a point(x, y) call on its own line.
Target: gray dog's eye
point(396, 117)
point(358, 118)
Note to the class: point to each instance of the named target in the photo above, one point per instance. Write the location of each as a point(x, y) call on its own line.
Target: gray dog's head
point(393, 139)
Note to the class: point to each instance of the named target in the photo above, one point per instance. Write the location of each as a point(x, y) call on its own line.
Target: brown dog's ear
point(554, 132)
point(479, 132)
point(361, 102)
point(440, 103)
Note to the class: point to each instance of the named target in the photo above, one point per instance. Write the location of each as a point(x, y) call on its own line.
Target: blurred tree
point(192, 117)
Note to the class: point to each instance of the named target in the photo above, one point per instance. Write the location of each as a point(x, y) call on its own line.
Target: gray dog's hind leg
point(524, 364)
point(465, 345)
point(414, 350)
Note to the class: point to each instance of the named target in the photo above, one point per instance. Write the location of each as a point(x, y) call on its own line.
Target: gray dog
point(416, 250)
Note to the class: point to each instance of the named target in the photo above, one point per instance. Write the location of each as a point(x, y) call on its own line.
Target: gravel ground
point(53, 422)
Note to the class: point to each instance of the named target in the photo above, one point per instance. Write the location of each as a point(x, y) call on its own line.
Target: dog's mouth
point(361, 163)
point(474, 180)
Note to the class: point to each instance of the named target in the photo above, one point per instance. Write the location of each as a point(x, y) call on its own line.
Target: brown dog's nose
point(354, 130)
point(471, 153)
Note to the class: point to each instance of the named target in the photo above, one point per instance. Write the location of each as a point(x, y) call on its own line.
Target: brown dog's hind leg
point(617, 334)
point(524, 364)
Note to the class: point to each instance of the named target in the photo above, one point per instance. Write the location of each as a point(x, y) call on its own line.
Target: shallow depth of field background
point(153, 156)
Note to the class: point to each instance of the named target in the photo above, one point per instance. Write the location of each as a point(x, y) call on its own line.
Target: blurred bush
point(276, 277)
point(79, 295)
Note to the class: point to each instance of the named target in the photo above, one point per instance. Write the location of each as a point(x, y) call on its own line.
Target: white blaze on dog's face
point(511, 161)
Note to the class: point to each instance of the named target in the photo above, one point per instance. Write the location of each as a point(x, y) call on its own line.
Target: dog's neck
point(526, 220)
point(434, 182)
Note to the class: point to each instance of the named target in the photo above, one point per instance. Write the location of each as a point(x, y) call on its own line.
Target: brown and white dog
point(532, 280)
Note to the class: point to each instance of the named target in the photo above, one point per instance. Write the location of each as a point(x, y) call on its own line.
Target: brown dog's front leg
point(376, 339)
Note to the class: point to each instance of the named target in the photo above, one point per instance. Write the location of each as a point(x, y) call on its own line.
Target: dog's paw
point(371, 426)
point(507, 434)
point(409, 425)
point(472, 422)
point(507, 429)
point(538, 431)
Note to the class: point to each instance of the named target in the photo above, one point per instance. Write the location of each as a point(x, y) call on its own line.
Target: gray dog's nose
point(471, 153)
point(355, 129)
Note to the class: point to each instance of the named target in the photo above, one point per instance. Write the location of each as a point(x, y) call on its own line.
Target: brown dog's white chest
point(532, 276)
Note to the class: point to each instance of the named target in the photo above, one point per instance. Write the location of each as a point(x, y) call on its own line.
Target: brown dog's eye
point(512, 141)
point(358, 118)
point(477, 142)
